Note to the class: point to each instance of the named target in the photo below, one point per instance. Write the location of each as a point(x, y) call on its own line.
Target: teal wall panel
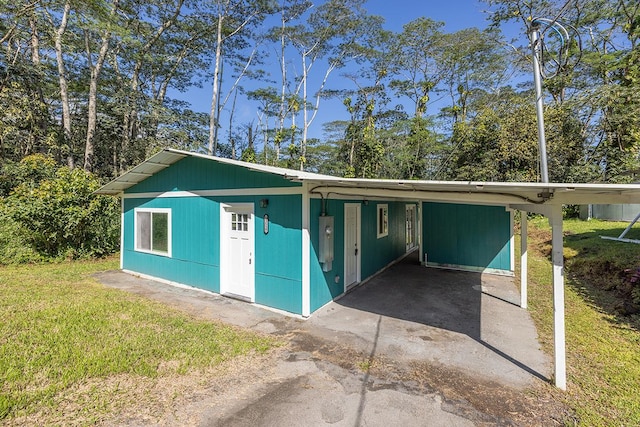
point(376, 252)
point(467, 235)
point(195, 173)
point(279, 292)
point(323, 284)
point(279, 253)
point(195, 245)
point(195, 256)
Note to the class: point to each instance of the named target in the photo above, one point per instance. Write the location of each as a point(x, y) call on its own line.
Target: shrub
point(29, 171)
point(14, 248)
point(61, 217)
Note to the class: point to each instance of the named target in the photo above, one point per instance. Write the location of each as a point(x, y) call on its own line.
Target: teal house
point(294, 240)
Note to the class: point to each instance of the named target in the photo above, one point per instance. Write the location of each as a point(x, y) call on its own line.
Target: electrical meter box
point(326, 242)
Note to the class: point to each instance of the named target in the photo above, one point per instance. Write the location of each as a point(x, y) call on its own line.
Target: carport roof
point(523, 193)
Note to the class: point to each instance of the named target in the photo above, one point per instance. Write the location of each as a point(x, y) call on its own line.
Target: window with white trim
point(153, 231)
point(383, 220)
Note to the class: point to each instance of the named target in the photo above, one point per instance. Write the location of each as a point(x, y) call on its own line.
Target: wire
point(560, 61)
point(562, 11)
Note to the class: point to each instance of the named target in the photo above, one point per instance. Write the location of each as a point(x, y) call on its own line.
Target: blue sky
point(456, 14)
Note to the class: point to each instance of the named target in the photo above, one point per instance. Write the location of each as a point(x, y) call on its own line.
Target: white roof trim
point(503, 193)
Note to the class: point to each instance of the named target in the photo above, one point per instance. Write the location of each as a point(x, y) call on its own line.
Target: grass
point(603, 347)
point(59, 329)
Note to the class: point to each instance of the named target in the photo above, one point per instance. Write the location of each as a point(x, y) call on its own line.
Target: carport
point(541, 198)
point(281, 214)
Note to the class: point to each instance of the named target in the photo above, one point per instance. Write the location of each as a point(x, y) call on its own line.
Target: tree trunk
point(41, 115)
point(283, 69)
point(232, 140)
point(130, 127)
point(92, 115)
point(64, 87)
point(213, 116)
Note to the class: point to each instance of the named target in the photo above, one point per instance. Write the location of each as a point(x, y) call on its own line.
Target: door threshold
point(236, 296)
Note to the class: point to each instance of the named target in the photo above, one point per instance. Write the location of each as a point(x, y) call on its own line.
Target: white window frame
point(135, 230)
point(382, 227)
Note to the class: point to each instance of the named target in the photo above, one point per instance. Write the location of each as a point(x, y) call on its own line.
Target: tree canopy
point(95, 85)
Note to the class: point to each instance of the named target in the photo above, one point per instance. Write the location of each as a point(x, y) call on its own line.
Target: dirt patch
point(135, 400)
point(539, 242)
point(540, 405)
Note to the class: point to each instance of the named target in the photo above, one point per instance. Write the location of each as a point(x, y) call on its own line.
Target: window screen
point(153, 231)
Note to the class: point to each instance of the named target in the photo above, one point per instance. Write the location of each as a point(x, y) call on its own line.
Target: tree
point(269, 102)
point(334, 31)
point(500, 144)
point(104, 29)
point(63, 79)
point(602, 88)
point(413, 58)
point(471, 61)
point(58, 213)
point(232, 19)
point(144, 33)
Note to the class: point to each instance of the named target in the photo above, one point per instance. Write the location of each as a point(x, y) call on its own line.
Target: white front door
point(351, 244)
point(237, 265)
point(411, 227)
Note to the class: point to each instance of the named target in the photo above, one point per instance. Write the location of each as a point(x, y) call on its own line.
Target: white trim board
point(306, 253)
point(267, 191)
point(470, 268)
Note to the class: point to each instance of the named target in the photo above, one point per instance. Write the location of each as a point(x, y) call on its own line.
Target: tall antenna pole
point(537, 79)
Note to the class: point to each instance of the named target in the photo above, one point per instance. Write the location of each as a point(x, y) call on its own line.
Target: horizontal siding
point(467, 235)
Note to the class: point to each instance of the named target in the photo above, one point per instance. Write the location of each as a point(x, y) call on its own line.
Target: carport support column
point(523, 259)
point(558, 297)
point(122, 231)
point(306, 251)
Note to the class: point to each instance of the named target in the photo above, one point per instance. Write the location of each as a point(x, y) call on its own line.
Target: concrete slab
point(471, 321)
point(421, 324)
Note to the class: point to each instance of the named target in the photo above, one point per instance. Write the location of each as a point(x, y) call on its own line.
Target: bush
point(29, 171)
point(570, 211)
point(14, 249)
point(59, 216)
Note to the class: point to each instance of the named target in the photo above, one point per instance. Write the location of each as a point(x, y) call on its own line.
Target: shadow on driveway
point(469, 320)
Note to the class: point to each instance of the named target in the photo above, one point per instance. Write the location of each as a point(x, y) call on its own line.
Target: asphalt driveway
point(412, 346)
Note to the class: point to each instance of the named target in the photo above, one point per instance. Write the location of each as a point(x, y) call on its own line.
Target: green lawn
point(59, 328)
point(603, 347)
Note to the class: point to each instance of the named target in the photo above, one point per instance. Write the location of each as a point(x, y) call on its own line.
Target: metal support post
point(537, 79)
point(559, 346)
point(523, 259)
